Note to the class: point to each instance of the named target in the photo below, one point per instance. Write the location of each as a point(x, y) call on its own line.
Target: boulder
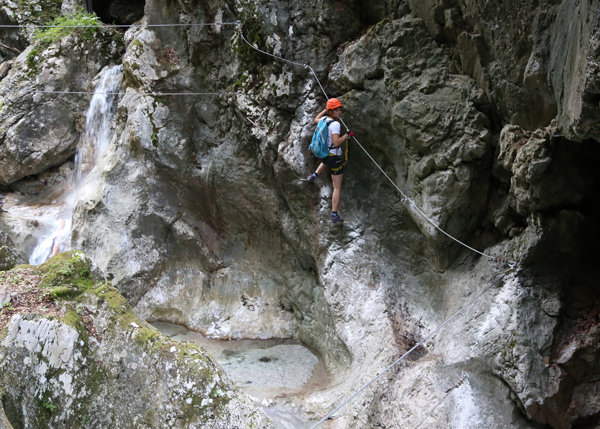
point(74, 354)
point(198, 215)
point(10, 256)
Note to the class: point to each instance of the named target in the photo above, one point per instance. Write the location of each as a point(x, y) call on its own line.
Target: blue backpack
point(318, 145)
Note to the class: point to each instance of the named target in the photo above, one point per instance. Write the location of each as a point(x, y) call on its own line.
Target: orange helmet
point(333, 103)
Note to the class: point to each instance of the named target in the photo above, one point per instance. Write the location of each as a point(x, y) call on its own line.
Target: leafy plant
point(66, 270)
point(214, 393)
point(48, 405)
point(81, 23)
point(32, 59)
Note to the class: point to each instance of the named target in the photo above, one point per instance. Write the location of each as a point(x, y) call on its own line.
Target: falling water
point(93, 143)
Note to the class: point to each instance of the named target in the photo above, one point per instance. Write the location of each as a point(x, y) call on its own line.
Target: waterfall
point(92, 145)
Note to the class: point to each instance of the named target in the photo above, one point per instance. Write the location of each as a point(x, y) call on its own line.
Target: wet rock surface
point(40, 130)
point(484, 114)
point(278, 375)
point(74, 351)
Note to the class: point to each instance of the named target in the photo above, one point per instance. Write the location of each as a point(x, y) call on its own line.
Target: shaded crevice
point(588, 422)
point(117, 12)
point(10, 410)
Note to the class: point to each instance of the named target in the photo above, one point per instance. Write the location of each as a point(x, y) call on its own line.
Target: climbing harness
point(405, 198)
point(344, 159)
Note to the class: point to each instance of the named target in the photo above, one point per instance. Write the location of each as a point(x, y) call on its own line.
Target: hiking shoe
point(311, 178)
point(335, 218)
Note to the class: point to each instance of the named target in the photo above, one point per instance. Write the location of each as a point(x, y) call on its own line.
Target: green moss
point(96, 378)
point(255, 34)
point(68, 270)
point(64, 26)
point(123, 317)
point(72, 319)
point(155, 130)
point(24, 267)
point(148, 338)
point(63, 276)
point(32, 59)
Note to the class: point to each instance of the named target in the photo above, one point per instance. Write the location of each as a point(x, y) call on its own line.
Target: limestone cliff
point(485, 114)
point(72, 354)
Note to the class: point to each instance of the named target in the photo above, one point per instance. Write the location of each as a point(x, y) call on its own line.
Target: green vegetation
point(67, 273)
point(254, 33)
point(73, 319)
point(32, 59)
point(154, 138)
point(49, 406)
point(83, 299)
point(215, 393)
point(66, 25)
point(46, 408)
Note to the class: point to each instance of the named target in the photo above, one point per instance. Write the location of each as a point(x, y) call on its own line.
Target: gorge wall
point(484, 113)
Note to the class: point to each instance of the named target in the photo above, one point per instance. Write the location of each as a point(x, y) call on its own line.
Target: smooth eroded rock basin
point(277, 374)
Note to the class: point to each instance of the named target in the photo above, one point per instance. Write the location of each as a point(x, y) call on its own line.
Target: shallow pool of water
point(275, 374)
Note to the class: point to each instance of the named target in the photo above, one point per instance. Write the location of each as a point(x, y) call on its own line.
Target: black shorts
point(335, 163)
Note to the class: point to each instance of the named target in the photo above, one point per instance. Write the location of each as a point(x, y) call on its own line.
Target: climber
point(335, 161)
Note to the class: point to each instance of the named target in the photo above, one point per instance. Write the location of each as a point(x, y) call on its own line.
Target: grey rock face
point(424, 119)
point(98, 365)
point(574, 69)
point(530, 80)
point(9, 255)
point(540, 179)
point(204, 152)
point(40, 130)
point(197, 213)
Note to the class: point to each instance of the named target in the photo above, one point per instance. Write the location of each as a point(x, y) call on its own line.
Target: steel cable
point(411, 350)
